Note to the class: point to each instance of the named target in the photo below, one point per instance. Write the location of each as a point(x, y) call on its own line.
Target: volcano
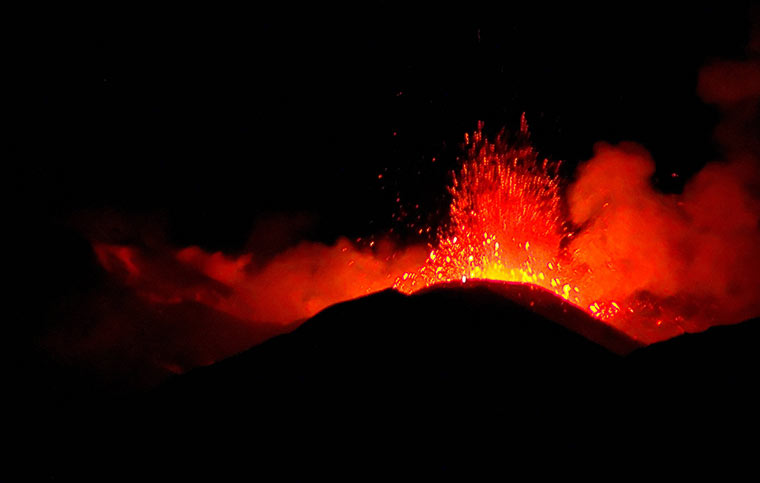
point(319, 239)
point(480, 373)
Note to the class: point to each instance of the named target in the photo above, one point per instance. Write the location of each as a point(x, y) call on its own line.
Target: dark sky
point(208, 120)
point(214, 117)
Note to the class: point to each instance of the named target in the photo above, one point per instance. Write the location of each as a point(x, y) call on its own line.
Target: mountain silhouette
point(446, 380)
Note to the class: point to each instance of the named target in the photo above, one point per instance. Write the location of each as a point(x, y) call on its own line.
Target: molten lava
point(652, 265)
point(509, 222)
point(506, 220)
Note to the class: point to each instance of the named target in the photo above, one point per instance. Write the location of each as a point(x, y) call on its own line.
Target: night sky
point(206, 124)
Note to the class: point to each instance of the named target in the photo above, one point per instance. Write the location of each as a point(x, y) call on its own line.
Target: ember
point(508, 224)
point(613, 246)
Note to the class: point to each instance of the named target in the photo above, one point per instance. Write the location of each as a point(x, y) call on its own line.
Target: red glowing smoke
point(696, 253)
point(653, 264)
point(292, 286)
point(162, 309)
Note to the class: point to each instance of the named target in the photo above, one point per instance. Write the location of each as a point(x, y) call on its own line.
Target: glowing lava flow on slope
point(508, 223)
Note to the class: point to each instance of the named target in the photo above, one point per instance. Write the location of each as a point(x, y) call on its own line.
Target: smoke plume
point(699, 249)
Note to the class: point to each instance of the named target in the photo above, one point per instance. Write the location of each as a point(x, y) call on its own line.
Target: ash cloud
point(701, 246)
point(291, 286)
point(159, 309)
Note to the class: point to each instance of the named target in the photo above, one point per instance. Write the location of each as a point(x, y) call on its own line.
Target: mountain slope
point(445, 380)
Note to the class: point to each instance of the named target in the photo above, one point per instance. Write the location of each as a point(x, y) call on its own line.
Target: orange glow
point(650, 264)
point(608, 243)
point(506, 224)
point(292, 286)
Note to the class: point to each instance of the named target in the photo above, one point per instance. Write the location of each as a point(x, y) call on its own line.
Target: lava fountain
point(510, 221)
point(507, 223)
point(652, 265)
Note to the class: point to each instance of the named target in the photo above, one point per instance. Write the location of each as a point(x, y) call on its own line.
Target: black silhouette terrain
point(449, 379)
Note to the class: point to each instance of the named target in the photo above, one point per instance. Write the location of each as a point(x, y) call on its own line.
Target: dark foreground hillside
point(453, 379)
